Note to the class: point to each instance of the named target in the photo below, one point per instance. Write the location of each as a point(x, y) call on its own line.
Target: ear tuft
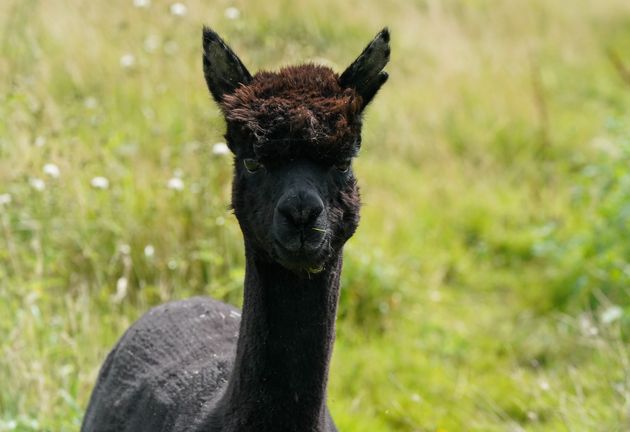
point(366, 74)
point(223, 70)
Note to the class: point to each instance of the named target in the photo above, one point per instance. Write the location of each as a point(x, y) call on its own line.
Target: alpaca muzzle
point(300, 228)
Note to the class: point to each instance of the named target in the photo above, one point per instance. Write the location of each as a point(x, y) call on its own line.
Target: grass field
point(488, 286)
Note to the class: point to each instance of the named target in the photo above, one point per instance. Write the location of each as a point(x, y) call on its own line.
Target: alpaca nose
point(301, 210)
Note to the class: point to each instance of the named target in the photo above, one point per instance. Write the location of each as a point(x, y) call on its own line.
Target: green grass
point(488, 286)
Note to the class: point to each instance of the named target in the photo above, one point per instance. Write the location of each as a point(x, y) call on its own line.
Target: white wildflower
point(232, 13)
point(99, 182)
point(121, 289)
point(52, 170)
point(175, 183)
point(9, 425)
point(192, 146)
point(5, 199)
point(152, 43)
point(587, 327)
point(179, 9)
point(149, 251)
point(220, 149)
point(124, 249)
point(544, 385)
point(90, 102)
point(611, 314)
point(142, 3)
point(127, 60)
point(37, 184)
point(435, 296)
point(40, 141)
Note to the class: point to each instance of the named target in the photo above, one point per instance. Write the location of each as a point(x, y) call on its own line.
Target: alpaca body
point(166, 369)
point(197, 365)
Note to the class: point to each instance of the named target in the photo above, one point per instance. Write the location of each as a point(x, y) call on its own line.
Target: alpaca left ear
point(223, 70)
point(366, 73)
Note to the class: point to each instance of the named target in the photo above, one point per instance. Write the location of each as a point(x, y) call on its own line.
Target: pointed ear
point(366, 73)
point(223, 70)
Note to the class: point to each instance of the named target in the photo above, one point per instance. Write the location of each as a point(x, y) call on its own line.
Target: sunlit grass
point(487, 286)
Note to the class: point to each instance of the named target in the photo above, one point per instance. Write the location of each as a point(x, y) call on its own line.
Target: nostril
point(313, 212)
point(290, 213)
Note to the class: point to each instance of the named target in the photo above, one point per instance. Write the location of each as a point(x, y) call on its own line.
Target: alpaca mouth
point(306, 258)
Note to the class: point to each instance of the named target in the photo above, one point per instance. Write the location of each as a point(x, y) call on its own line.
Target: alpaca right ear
point(366, 74)
point(223, 70)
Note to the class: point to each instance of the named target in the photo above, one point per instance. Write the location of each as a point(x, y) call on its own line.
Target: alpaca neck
point(286, 338)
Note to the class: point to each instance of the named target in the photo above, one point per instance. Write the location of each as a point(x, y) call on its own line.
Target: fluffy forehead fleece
point(298, 110)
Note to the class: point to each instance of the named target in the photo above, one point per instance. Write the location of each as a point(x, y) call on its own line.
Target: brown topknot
point(297, 110)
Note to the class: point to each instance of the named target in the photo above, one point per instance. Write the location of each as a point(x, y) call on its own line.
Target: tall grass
point(487, 286)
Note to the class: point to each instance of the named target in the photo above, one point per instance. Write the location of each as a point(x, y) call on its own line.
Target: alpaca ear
point(223, 70)
point(366, 73)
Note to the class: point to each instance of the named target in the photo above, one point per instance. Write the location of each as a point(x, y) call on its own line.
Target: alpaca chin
point(301, 262)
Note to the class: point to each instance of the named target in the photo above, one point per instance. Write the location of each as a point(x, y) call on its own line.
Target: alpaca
point(197, 364)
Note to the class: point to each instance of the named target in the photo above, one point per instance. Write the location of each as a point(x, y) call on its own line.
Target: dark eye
point(343, 166)
point(251, 165)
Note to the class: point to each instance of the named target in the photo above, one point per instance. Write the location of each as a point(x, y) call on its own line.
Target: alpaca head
point(293, 134)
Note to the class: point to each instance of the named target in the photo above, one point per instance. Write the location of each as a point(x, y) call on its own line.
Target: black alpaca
point(195, 365)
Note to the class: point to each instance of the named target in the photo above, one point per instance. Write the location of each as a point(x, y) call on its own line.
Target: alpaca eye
point(343, 166)
point(251, 165)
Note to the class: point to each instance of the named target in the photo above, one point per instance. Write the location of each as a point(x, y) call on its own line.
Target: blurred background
point(488, 286)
